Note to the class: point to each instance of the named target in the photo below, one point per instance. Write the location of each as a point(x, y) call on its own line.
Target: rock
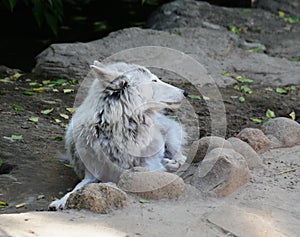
point(252, 158)
point(97, 197)
point(221, 172)
point(216, 50)
point(285, 130)
point(291, 7)
point(255, 138)
point(201, 147)
point(152, 184)
point(257, 26)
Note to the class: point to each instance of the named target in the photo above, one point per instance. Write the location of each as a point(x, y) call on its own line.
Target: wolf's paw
point(58, 205)
point(181, 159)
point(171, 165)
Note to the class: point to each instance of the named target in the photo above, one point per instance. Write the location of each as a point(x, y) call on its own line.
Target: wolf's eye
point(154, 80)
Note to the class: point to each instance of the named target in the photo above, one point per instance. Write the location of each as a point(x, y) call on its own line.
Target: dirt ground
point(31, 172)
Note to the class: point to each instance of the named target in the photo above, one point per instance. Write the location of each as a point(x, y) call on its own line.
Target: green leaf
point(292, 88)
point(234, 29)
point(39, 197)
point(293, 115)
point(34, 84)
point(1, 162)
point(242, 99)
point(28, 92)
point(257, 120)
point(246, 89)
point(47, 111)
point(281, 90)
point(33, 119)
point(16, 137)
point(64, 116)
point(255, 50)
point(194, 97)
point(3, 204)
point(68, 91)
point(243, 79)
point(225, 74)
point(57, 120)
point(270, 114)
point(58, 82)
point(58, 138)
point(17, 107)
point(39, 90)
point(20, 205)
point(144, 201)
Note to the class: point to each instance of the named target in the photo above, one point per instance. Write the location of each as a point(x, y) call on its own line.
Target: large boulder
point(201, 147)
point(252, 158)
point(221, 172)
point(256, 139)
point(97, 197)
point(285, 130)
point(151, 184)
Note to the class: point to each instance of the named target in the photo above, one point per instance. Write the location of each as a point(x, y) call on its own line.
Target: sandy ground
point(269, 206)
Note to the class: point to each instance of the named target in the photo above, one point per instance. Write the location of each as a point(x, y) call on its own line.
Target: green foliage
point(44, 11)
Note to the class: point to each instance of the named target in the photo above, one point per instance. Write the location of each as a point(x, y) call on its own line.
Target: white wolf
point(119, 126)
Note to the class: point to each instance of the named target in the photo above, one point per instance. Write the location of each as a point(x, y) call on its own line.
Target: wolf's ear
point(103, 74)
point(119, 83)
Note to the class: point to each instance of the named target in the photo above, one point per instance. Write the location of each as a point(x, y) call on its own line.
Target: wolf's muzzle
point(185, 93)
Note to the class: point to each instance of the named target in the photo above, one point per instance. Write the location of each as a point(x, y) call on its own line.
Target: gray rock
point(256, 139)
point(290, 8)
point(216, 50)
point(285, 130)
point(201, 147)
point(151, 184)
point(221, 172)
point(257, 25)
point(252, 158)
point(100, 198)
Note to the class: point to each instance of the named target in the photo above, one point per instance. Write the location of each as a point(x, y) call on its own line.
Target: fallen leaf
point(57, 120)
point(243, 79)
point(40, 197)
point(281, 14)
point(242, 99)
point(16, 76)
point(71, 110)
point(270, 114)
point(144, 201)
point(281, 90)
point(65, 116)
point(257, 120)
point(16, 137)
point(205, 97)
point(246, 89)
point(66, 91)
point(33, 119)
point(225, 74)
point(3, 204)
point(17, 107)
point(28, 92)
point(293, 115)
point(5, 80)
point(194, 97)
point(20, 205)
point(39, 90)
point(58, 139)
point(55, 90)
point(47, 111)
point(34, 84)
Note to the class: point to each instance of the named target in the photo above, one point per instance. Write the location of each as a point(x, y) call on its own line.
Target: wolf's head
point(132, 81)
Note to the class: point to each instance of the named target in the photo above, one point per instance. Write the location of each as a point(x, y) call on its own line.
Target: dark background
point(82, 21)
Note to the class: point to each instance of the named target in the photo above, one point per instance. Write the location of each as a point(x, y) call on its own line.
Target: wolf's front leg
point(61, 203)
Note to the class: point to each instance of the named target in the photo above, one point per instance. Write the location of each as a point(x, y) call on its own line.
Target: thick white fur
point(119, 126)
